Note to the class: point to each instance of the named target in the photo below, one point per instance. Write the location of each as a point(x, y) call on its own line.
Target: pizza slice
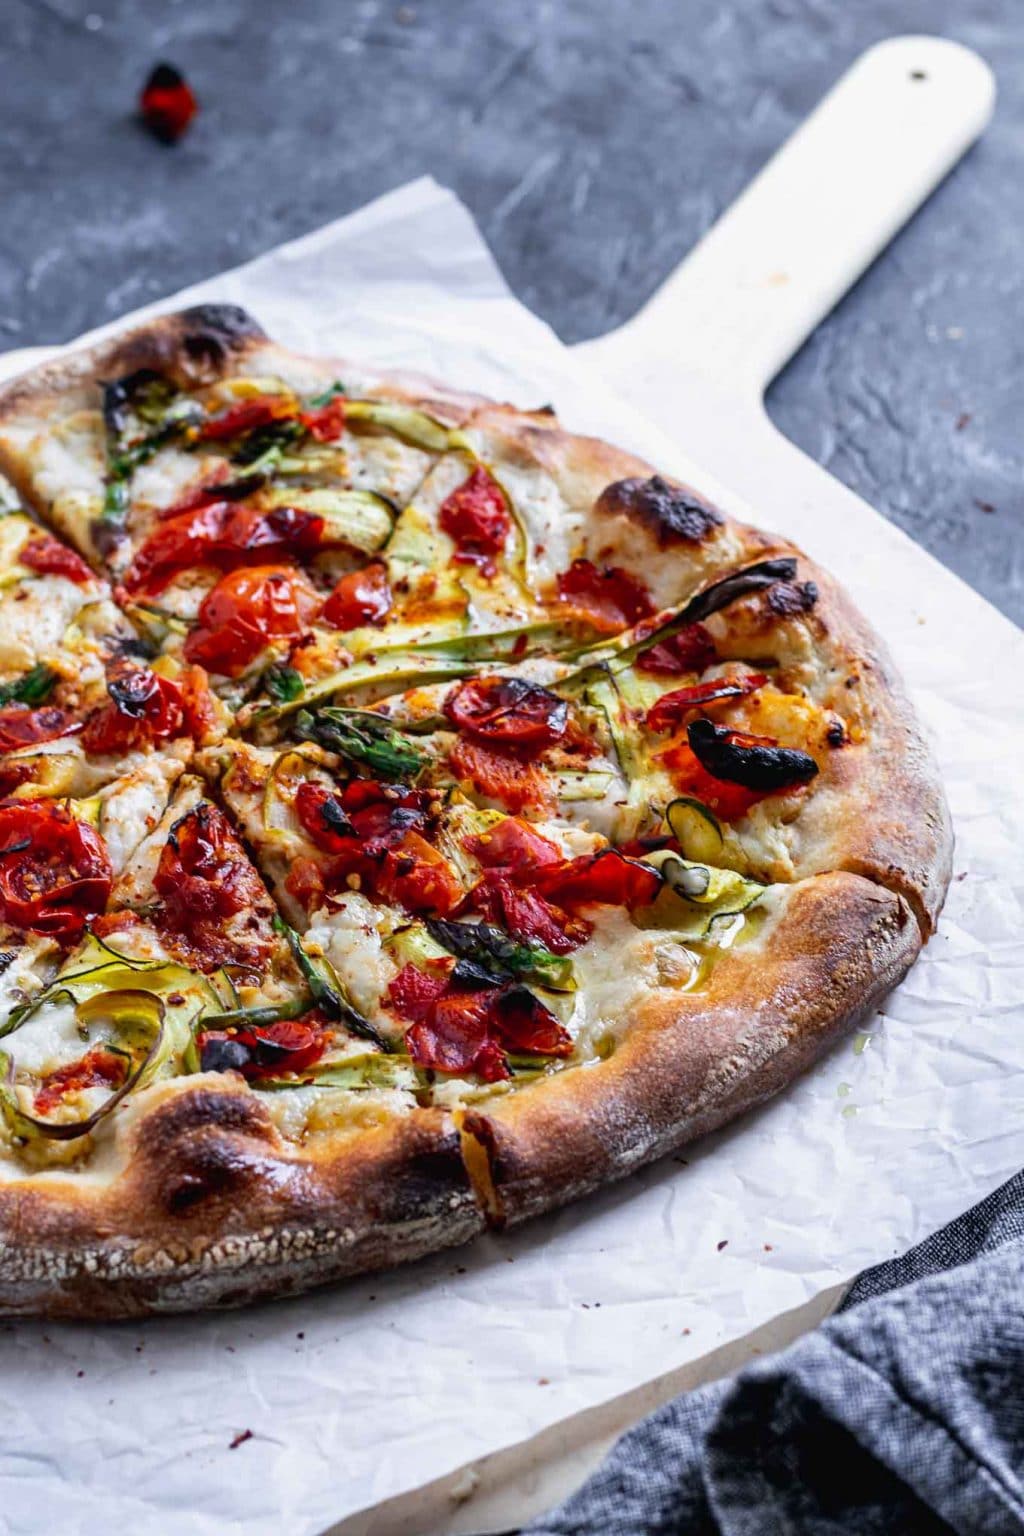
point(226, 484)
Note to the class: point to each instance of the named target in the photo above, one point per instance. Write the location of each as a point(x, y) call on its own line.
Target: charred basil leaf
point(745, 760)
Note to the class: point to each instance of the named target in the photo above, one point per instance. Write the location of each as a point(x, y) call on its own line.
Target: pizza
point(412, 816)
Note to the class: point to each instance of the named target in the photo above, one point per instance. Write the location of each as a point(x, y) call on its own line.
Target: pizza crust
point(212, 1207)
point(835, 946)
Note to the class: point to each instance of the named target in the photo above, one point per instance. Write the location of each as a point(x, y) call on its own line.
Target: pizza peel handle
point(833, 196)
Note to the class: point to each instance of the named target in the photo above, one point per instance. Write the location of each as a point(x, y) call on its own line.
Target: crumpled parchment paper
point(363, 1391)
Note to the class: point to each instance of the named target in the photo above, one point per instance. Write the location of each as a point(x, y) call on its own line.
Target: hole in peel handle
point(808, 225)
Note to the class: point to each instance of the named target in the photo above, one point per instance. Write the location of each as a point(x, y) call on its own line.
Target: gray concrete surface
point(594, 140)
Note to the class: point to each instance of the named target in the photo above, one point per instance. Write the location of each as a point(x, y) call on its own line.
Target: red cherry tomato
point(203, 878)
point(50, 557)
point(668, 711)
point(245, 612)
point(691, 650)
point(609, 597)
point(201, 715)
point(522, 1023)
point(54, 871)
point(23, 727)
point(476, 517)
point(143, 709)
point(606, 878)
point(417, 877)
point(361, 597)
point(508, 712)
point(325, 422)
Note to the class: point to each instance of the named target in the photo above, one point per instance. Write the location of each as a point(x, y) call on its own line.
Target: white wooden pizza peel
point(696, 361)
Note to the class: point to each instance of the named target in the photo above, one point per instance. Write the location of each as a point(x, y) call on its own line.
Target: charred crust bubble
point(672, 513)
point(756, 765)
point(789, 598)
point(211, 332)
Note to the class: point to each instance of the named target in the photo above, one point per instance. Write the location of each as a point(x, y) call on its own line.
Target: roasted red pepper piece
point(691, 650)
point(50, 557)
point(476, 517)
point(672, 708)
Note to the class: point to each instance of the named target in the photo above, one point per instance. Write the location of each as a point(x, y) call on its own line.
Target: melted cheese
point(350, 933)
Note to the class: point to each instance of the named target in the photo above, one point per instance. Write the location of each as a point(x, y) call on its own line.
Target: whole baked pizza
point(412, 816)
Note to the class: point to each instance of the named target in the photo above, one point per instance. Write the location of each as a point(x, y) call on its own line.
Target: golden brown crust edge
point(213, 1208)
point(692, 1062)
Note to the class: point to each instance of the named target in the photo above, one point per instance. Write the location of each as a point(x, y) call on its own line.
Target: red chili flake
point(167, 103)
point(242, 1436)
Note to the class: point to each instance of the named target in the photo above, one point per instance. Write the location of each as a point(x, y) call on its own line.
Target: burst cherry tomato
point(609, 597)
point(691, 650)
point(606, 878)
point(361, 597)
point(508, 712)
point(476, 517)
point(371, 831)
point(668, 711)
point(497, 775)
point(23, 727)
point(412, 991)
point(266, 1050)
point(245, 612)
point(223, 533)
point(325, 423)
point(203, 878)
point(143, 709)
point(50, 557)
point(54, 871)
